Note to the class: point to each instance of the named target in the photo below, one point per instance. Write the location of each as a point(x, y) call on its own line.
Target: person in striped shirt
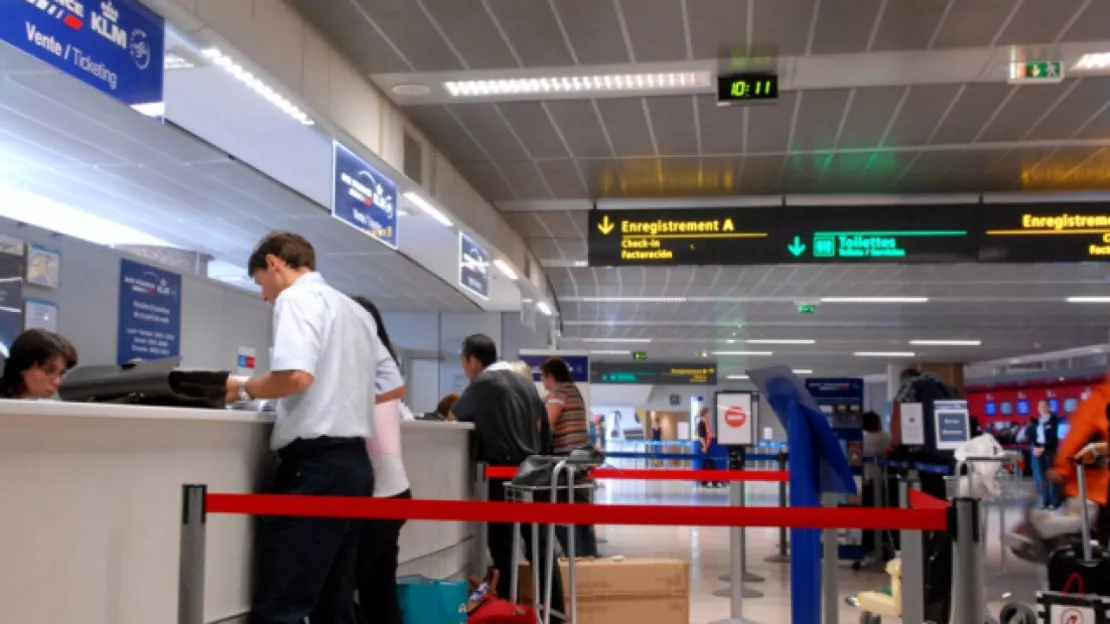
point(565, 407)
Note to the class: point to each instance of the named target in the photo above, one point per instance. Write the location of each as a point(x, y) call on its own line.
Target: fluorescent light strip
point(1088, 299)
point(544, 308)
point(892, 354)
point(745, 353)
point(173, 60)
point(1100, 60)
point(614, 340)
point(610, 352)
point(599, 83)
point(428, 208)
point(874, 299)
point(736, 377)
point(802, 371)
point(505, 269)
point(947, 343)
point(634, 299)
point(785, 341)
point(152, 109)
point(261, 88)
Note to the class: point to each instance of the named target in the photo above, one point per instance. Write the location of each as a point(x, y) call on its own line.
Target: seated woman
point(36, 363)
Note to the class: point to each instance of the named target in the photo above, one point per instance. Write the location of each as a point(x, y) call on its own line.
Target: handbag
point(429, 601)
point(538, 470)
point(154, 382)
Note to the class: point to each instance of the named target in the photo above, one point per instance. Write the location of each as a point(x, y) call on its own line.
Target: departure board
point(1069, 232)
point(691, 236)
point(901, 234)
point(678, 374)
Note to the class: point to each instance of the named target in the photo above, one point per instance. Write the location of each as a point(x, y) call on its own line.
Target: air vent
point(414, 159)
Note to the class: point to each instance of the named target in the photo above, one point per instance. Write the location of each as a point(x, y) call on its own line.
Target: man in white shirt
point(325, 361)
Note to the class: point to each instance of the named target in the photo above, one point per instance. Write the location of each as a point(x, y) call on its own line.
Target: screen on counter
point(991, 408)
point(1070, 405)
point(1007, 408)
point(1023, 407)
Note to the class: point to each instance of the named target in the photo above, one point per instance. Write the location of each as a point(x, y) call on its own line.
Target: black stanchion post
point(782, 556)
point(190, 588)
point(481, 534)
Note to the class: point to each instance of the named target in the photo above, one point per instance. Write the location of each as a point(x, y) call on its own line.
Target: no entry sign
point(735, 418)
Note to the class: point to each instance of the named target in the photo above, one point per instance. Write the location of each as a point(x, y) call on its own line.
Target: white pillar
point(893, 379)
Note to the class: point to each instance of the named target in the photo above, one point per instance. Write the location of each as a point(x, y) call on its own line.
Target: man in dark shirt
point(508, 417)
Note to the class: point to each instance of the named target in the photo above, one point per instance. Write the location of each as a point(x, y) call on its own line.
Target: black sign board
point(1071, 232)
point(877, 234)
point(679, 374)
point(690, 236)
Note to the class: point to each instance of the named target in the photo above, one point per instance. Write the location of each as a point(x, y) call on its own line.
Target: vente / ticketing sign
point(363, 197)
point(116, 46)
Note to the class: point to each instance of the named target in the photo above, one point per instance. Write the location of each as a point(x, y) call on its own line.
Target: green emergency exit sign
point(807, 308)
point(1046, 72)
point(639, 355)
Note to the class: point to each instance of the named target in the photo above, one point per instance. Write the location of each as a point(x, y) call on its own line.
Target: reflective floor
point(707, 549)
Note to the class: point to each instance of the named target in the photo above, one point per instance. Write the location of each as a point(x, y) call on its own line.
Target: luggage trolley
point(527, 494)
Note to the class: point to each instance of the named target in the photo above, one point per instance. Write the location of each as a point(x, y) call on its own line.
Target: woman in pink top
point(379, 544)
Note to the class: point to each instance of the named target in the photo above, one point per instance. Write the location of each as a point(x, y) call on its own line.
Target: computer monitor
point(1023, 406)
point(991, 408)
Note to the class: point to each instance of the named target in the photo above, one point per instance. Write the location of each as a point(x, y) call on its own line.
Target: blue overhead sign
point(474, 266)
point(363, 197)
point(116, 46)
point(149, 313)
point(579, 365)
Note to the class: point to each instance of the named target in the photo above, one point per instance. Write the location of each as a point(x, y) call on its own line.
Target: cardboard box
point(625, 591)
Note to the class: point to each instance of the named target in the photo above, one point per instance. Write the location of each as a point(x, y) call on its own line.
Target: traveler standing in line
point(325, 348)
point(36, 363)
point(566, 410)
point(708, 441)
point(508, 415)
point(380, 541)
point(1046, 440)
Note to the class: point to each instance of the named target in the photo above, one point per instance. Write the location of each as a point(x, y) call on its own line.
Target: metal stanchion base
point(777, 559)
point(748, 577)
point(726, 592)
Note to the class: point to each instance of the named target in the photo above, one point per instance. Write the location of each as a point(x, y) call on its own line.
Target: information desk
point(91, 512)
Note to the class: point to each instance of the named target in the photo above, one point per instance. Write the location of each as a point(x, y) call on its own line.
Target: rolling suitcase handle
point(1081, 477)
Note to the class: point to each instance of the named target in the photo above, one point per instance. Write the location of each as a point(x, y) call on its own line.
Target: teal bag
point(428, 601)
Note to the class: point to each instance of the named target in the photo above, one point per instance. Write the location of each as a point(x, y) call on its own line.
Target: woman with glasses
point(36, 363)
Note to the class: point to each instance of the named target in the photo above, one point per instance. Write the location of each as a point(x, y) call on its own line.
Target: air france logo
point(377, 197)
point(156, 285)
point(475, 262)
point(70, 12)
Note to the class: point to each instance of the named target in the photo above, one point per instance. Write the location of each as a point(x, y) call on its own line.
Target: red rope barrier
point(654, 474)
point(563, 513)
point(921, 500)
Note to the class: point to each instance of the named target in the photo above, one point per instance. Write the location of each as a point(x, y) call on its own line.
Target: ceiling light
point(874, 299)
point(1088, 299)
point(681, 82)
point(736, 377)
point(947, 343)
point(1099, 60)
point(785, 341)
point(802, 371)
point(427, 207)
point(152, 109)
point(745, 353)
point(634, 299)
point(174, 60)
point(893, 354)
point(411, 89)
point(581, 263)
point(610, 352)
point(505, 269)
point(625, 340)
point(544, 308)
point(261, 88)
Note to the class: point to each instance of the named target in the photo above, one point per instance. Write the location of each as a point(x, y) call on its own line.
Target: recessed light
point(947, 343)
point(736, 377)
point(584, 85)
point(1099, 60)
point(428, 208)
point(802, 371)
point(1088, 299)
point(411, 89)
point(893, 354)
point(874, 299)
point(610, 352)
point(634, 299)
point(505, 269)
point(745, 353)
point(784, 341)
point(614, 340)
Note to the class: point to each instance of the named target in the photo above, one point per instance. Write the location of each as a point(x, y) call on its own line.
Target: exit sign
point(807, 308)
point(1045, 72)
point(639, 355)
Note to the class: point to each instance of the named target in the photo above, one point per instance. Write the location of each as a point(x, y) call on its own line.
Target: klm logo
point(106, 23)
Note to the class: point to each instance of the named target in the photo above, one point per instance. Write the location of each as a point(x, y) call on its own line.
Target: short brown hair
point(292, 249)
point(445, 404)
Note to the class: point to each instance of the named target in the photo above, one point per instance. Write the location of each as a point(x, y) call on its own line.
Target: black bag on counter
point(155, 382)
point(537, 470)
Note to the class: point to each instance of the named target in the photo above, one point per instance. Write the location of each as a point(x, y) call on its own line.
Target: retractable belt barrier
point(651, 474)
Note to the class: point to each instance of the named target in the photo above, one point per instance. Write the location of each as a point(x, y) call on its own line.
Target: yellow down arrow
point(606, 225)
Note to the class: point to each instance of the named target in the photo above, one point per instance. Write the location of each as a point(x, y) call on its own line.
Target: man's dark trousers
point(306, 566)
point(501, 550)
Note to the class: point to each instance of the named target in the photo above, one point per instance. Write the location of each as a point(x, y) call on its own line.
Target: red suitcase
point(499, 611)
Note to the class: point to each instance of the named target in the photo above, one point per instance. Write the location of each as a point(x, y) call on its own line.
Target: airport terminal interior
point(738, 223)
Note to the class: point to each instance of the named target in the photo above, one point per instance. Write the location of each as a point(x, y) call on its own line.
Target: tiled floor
point(707, 550)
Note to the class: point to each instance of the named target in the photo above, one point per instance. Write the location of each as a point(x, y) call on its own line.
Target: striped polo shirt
point(571, 429)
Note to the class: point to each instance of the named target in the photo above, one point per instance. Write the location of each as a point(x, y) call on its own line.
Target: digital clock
point(749, 87)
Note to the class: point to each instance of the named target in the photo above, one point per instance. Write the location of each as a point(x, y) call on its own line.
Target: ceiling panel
point(651, 27)
point(564, 178)
point(484, 121)
point(717, 27)
point(972, 23)
point(923, 109)
point(1083, 103)
point(594, 31)
point(972, 112)
point(488, 177)
point(909, 25)
point(349, 28)
point(768, 126)
point(868, 116)
point(469, 28)
point(818, 122)
point(1022, 111)
point(844, 26)
point(532, 32)
point(628, 126)
point(450, 136)
point(721, 127)
point(782, 26)
point(525, 179)
point(579, 125)
point(672, 119)
point(1090, 25)
point(413, 33)
point(530, 122)
point(1040, 21)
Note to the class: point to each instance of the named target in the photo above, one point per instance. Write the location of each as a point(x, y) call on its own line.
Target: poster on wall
point(43, 266)
point(149, 313)
point(11, 299)
point(40, 314)
point(11, 245)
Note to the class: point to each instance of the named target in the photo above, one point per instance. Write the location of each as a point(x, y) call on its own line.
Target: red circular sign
point(735, 416)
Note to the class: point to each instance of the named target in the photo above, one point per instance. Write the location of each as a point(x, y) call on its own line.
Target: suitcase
point(1081, 568)
point(500, 611)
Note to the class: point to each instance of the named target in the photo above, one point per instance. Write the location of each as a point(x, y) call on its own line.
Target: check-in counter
point(90, 507)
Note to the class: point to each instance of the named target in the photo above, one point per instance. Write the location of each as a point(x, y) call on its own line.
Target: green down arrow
point(797, 247)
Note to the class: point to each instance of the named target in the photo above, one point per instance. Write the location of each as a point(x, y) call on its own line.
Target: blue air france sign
point(364, 198)
point(474, 266)
point(116, 46)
